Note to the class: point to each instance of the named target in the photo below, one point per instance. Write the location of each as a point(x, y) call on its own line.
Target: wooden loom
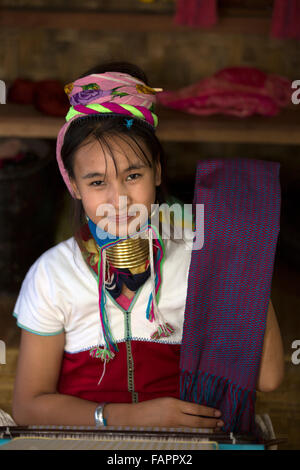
point(125, 438)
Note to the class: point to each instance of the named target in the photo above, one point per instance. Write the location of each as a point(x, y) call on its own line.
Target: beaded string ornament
point(153, 313)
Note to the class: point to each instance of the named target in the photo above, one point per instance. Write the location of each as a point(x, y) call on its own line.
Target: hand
point(162, 412)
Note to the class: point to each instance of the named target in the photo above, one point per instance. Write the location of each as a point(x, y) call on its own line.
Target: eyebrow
point(134, 166)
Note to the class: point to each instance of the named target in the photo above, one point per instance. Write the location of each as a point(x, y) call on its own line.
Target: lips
point(119, 218)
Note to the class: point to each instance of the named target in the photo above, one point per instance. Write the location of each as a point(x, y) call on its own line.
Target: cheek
point(146, 192)
point(90, 202)
point(145, 196)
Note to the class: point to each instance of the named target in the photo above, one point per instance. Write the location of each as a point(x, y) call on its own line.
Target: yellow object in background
point(147, 1)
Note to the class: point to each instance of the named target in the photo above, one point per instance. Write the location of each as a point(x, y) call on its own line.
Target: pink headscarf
point(111, 90)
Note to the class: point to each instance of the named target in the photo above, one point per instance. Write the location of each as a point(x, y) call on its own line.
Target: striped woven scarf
point(229, 287)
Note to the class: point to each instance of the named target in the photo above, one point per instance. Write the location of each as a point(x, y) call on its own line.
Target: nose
point(119, 197)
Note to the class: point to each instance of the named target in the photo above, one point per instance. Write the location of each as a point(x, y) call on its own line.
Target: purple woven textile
point(229, 287)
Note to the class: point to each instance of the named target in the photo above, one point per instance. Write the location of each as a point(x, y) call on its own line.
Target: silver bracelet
point(99, 419)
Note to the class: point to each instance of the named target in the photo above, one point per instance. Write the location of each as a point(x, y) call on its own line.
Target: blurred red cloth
point(50, 98)
point(202, 13)
point(16, 158)
point(286, 19)
point(47, 96)
point(237, 91)
point(21, 91)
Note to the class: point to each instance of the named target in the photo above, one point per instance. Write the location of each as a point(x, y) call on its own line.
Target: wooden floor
point(283, 405)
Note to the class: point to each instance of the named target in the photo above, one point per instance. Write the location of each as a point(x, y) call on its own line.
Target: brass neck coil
point(130, 253)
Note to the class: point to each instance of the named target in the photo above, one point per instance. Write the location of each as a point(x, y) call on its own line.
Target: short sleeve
point(39, 307)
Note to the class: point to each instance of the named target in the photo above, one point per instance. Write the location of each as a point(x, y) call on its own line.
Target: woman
point(111, 342)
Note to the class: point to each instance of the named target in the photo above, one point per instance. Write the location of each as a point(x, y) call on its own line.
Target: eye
point(96, 183)
point(134, 176)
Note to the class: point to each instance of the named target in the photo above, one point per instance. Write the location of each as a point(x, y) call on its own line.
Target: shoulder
point(43, 301)
point(56, 259)
point(55, 273)
point(59, 252)
point(176, 263)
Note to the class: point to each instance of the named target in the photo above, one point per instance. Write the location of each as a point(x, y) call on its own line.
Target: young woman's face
point(109, 189)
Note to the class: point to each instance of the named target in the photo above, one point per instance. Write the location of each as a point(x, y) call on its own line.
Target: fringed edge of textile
point(213, 391)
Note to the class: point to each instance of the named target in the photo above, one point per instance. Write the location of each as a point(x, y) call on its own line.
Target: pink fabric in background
point(237, 91)
point(286, 19)
point(202, 13)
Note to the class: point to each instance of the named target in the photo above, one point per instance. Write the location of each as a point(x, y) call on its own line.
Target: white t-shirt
point(60, 294)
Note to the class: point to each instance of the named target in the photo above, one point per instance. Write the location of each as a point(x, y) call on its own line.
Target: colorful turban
point(109, 93)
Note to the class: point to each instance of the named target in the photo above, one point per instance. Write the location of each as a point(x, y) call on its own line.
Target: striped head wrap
point(110, 94)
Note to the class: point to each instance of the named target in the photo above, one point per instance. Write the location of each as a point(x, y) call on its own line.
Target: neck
point(129, 254)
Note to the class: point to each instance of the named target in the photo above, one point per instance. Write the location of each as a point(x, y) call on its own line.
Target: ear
point(158, 174)
point(75, 188)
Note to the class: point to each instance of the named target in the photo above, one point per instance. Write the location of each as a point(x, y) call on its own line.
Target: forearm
point(67, 410)
point(271, 371)
point(55, 408)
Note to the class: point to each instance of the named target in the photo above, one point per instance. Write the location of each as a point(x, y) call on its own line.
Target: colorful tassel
point(102, 353)
point(108, 338)
point(150, 311)
point(163, 331)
